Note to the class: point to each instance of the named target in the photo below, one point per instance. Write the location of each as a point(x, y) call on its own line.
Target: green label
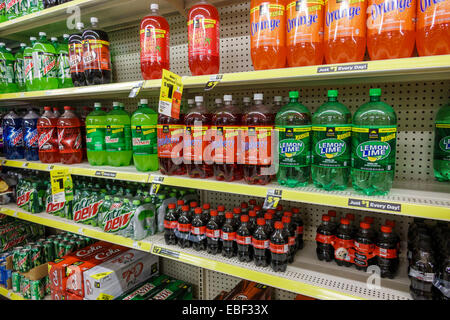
point(374, 148)
point(145, 141)
point(29, 66)
point(294, 145)
point(331, 146)
point(442, 142)
point(6, 71)
point(19, 69)
point(63, 66)
point(95, 138)
point(118, 138)
point(45, 63)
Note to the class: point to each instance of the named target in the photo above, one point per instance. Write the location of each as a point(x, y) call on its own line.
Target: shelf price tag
point(136, 89)
point(273, 197)
point(165, 252)
point(61, 182)
point(170, 94)
point(156, 184)
point(213, 81)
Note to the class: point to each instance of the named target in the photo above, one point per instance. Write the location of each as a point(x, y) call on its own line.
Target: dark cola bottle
point(260, 243)
point(206, 212)
point(170, 225)
point(251, 204)
point(49, 3)
point(324, 239)
point(178, 210)
point(422, 272)
point(290, 234)
point(228, 236)
point(244, 208)
point(297, 219)
point(279, 249)
point(387, 253)
point(184, 228)
point(221, 214)
point(76, 56)
point(391, 223)
point(364, 247)
point(96, 55)
point(269, 226)
point(259, 211)
point(252, 220)
point(198, 230)
point(192, 207)
point(213, 243)
point(343, 243)
point(237, 217)
point(244, 241)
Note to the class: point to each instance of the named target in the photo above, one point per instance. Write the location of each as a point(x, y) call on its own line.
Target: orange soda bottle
point(268, 34)
point(304, 32)
point(433, 27)
point(345, 30)
point(390, 28)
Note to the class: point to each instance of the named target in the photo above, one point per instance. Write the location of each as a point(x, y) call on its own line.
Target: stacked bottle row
point(362, 247)
point(268, 237)
point(12, 9)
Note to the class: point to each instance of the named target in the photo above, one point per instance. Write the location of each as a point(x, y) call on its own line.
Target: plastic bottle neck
point(293, 100)
point(258, 102)
point(332, 99)
point(155, 12)
point(374, 98)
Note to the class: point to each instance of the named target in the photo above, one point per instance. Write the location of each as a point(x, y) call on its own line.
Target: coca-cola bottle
point(324, 239)
point(279, 212)
point(279, 249)
point(387, 253)
point(259, 211)
point(184, 228)
point(269, 224)
point(244, 207)
point(170, 225)
point(252, 220)
point(343, 242)
point(351, 218)
point(237, 217)
point(198, 231)
point(364, 247)
point(228, 236)
point(333, 218)
point(244, 241)
point(252, 203)
point(297, 219)
point(213, 244)
point(221, 214)
point(391, 223)
point(192, 206)
point(290, 233)
point(422, 271)
point(260, 242)
point(206, 212)
point(180, 204)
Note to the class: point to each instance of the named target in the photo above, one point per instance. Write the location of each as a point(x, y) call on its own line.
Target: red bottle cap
point(213, 213)
point(67, 108)
point(47, 108)
point(260, 222)
point(229, 215)
point(194, 204)
point(244, 218)
point(345, 221)
point(257, 208)
point(287, 214)
point(278, 225)
point(198, 210)
point(252, 213)
point(390, 223)
point(271, 211)
point(386, 229)
point(185, 208)
point(286, 219)
point(295, 210)
point(237, 210)
point(180, 202)
point(332, 213)
point(268, 216)
point(171, 205)
point(279, 208)
point(221, 208)
point(206, 206)
point(350, 216)
point(369, 220)
point(252, 202)
point(325, 217)
point(244, 205)
point(364, 225)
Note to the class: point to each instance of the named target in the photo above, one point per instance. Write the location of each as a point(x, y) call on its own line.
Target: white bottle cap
point(278, 98)
point(144, 101)
point(94, 20)
point(65, 36)
point(54, 39)
point(2, 44)
point(218, 100)
point(42, 34)
point(228, 97)
point(80, 25)
point(116, 104)
point(97, 105)
point(32, 38)
point(190, 101)
point(198, 98)
point(258, 96)
point(23, 44)
point(246, 99)
point(154, 6)
point(9, 49)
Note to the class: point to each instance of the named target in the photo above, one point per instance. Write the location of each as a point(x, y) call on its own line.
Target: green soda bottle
point(145, 144)
point(118, 137)
point(62, 62)
point(331, 144)
point(293, 124)
point(95, 136)
point(44, 56)
point(35, 6)
point(3, 17)
point(7, 79)
point(441, 156)
point(12, 9)
point(19, 68)
point(374, 136)
point(30, 83)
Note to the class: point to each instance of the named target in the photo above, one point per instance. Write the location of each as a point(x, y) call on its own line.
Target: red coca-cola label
point(244, 240)
point(198, 230)
point(343, 249)
point(291, 241)
point(69, 139)
point(324, 239)
point(184, 227)
point(48, 139)
point(260, 244)
point(203, 37)
point(170, 138)
point(364, 248)
point(386, 253)
point(215, 234)
point(278, 248)
point(76, 58)
point(170, 224)
point(96, 55)
point(154, 45)
point(299, 230)
point(228, 236)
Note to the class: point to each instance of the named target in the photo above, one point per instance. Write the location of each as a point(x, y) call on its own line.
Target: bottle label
point(95, 137)
point(304, 22)
point(291, 241)
point(343, 249)
point(69, 139)
point(184, 227)
point(63, 66)
point(299, 230)
point(13, 136)
point(195, 141)
point(363, 252)
point(48, 139)
point(144, 140)
point(243, 240)
point(19, 71)
point(423, 276)
point(374, 148)
point(29, 67)
point(7, 72)
point(225, 144)
point(324, 239)
point(331, 146)
point(169, 137)
point(267, 25)
point(442, 142)
point(278, 248)
point(118, 138)
point(203, 37)
point(30, 137)
point(96, 55)
point(198, 231)
point(390, 15)
point(45, 65)
point(345, 18)
point(432, 12)
point(228, 236)
point(257, 148)
point(294, 145)
point(76, 57)
point(260, 244)
point(386, 253)
point(213, 233)
point(154, 45)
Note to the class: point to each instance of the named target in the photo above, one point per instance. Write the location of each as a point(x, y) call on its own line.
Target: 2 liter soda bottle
point(48, 137)
point(118, 137)
point(44, 58)
point(69, 137)
point(76, 56)
point(441, 155)
point(30, 136)
point(95, 136)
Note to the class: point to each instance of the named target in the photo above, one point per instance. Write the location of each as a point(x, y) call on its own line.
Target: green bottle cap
point(293, 94)
point(107, 197)
point(116, 199)
point(332, 93)
point(375, 92)
point(136, 202)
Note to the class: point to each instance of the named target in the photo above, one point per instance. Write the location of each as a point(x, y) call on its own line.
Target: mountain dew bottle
point(62, 62)
point(30, 83)
point(331, 144)
point(95, 136)
point(293, 123)
point(118, 137)
point(19, 68)
point(374, 136)
point(7, 79)
point(145, 143)
point(44, 57)
point(441, 157)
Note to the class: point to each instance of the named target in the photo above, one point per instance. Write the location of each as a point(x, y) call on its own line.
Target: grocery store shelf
point(416, 199)
point(10, 294)
point(407, 69)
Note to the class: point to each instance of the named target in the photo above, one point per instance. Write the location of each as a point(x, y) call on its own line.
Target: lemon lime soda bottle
point(95, 136)
point(441, 156)
point(374, 136)
point(118, 137)
point(331, 144)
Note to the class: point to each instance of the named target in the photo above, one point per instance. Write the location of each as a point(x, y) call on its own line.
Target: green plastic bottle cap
point(136, 202)
point(107, 197)
point(116, 199)
point(293, 94)
point(332, 93)
point(375, 92)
